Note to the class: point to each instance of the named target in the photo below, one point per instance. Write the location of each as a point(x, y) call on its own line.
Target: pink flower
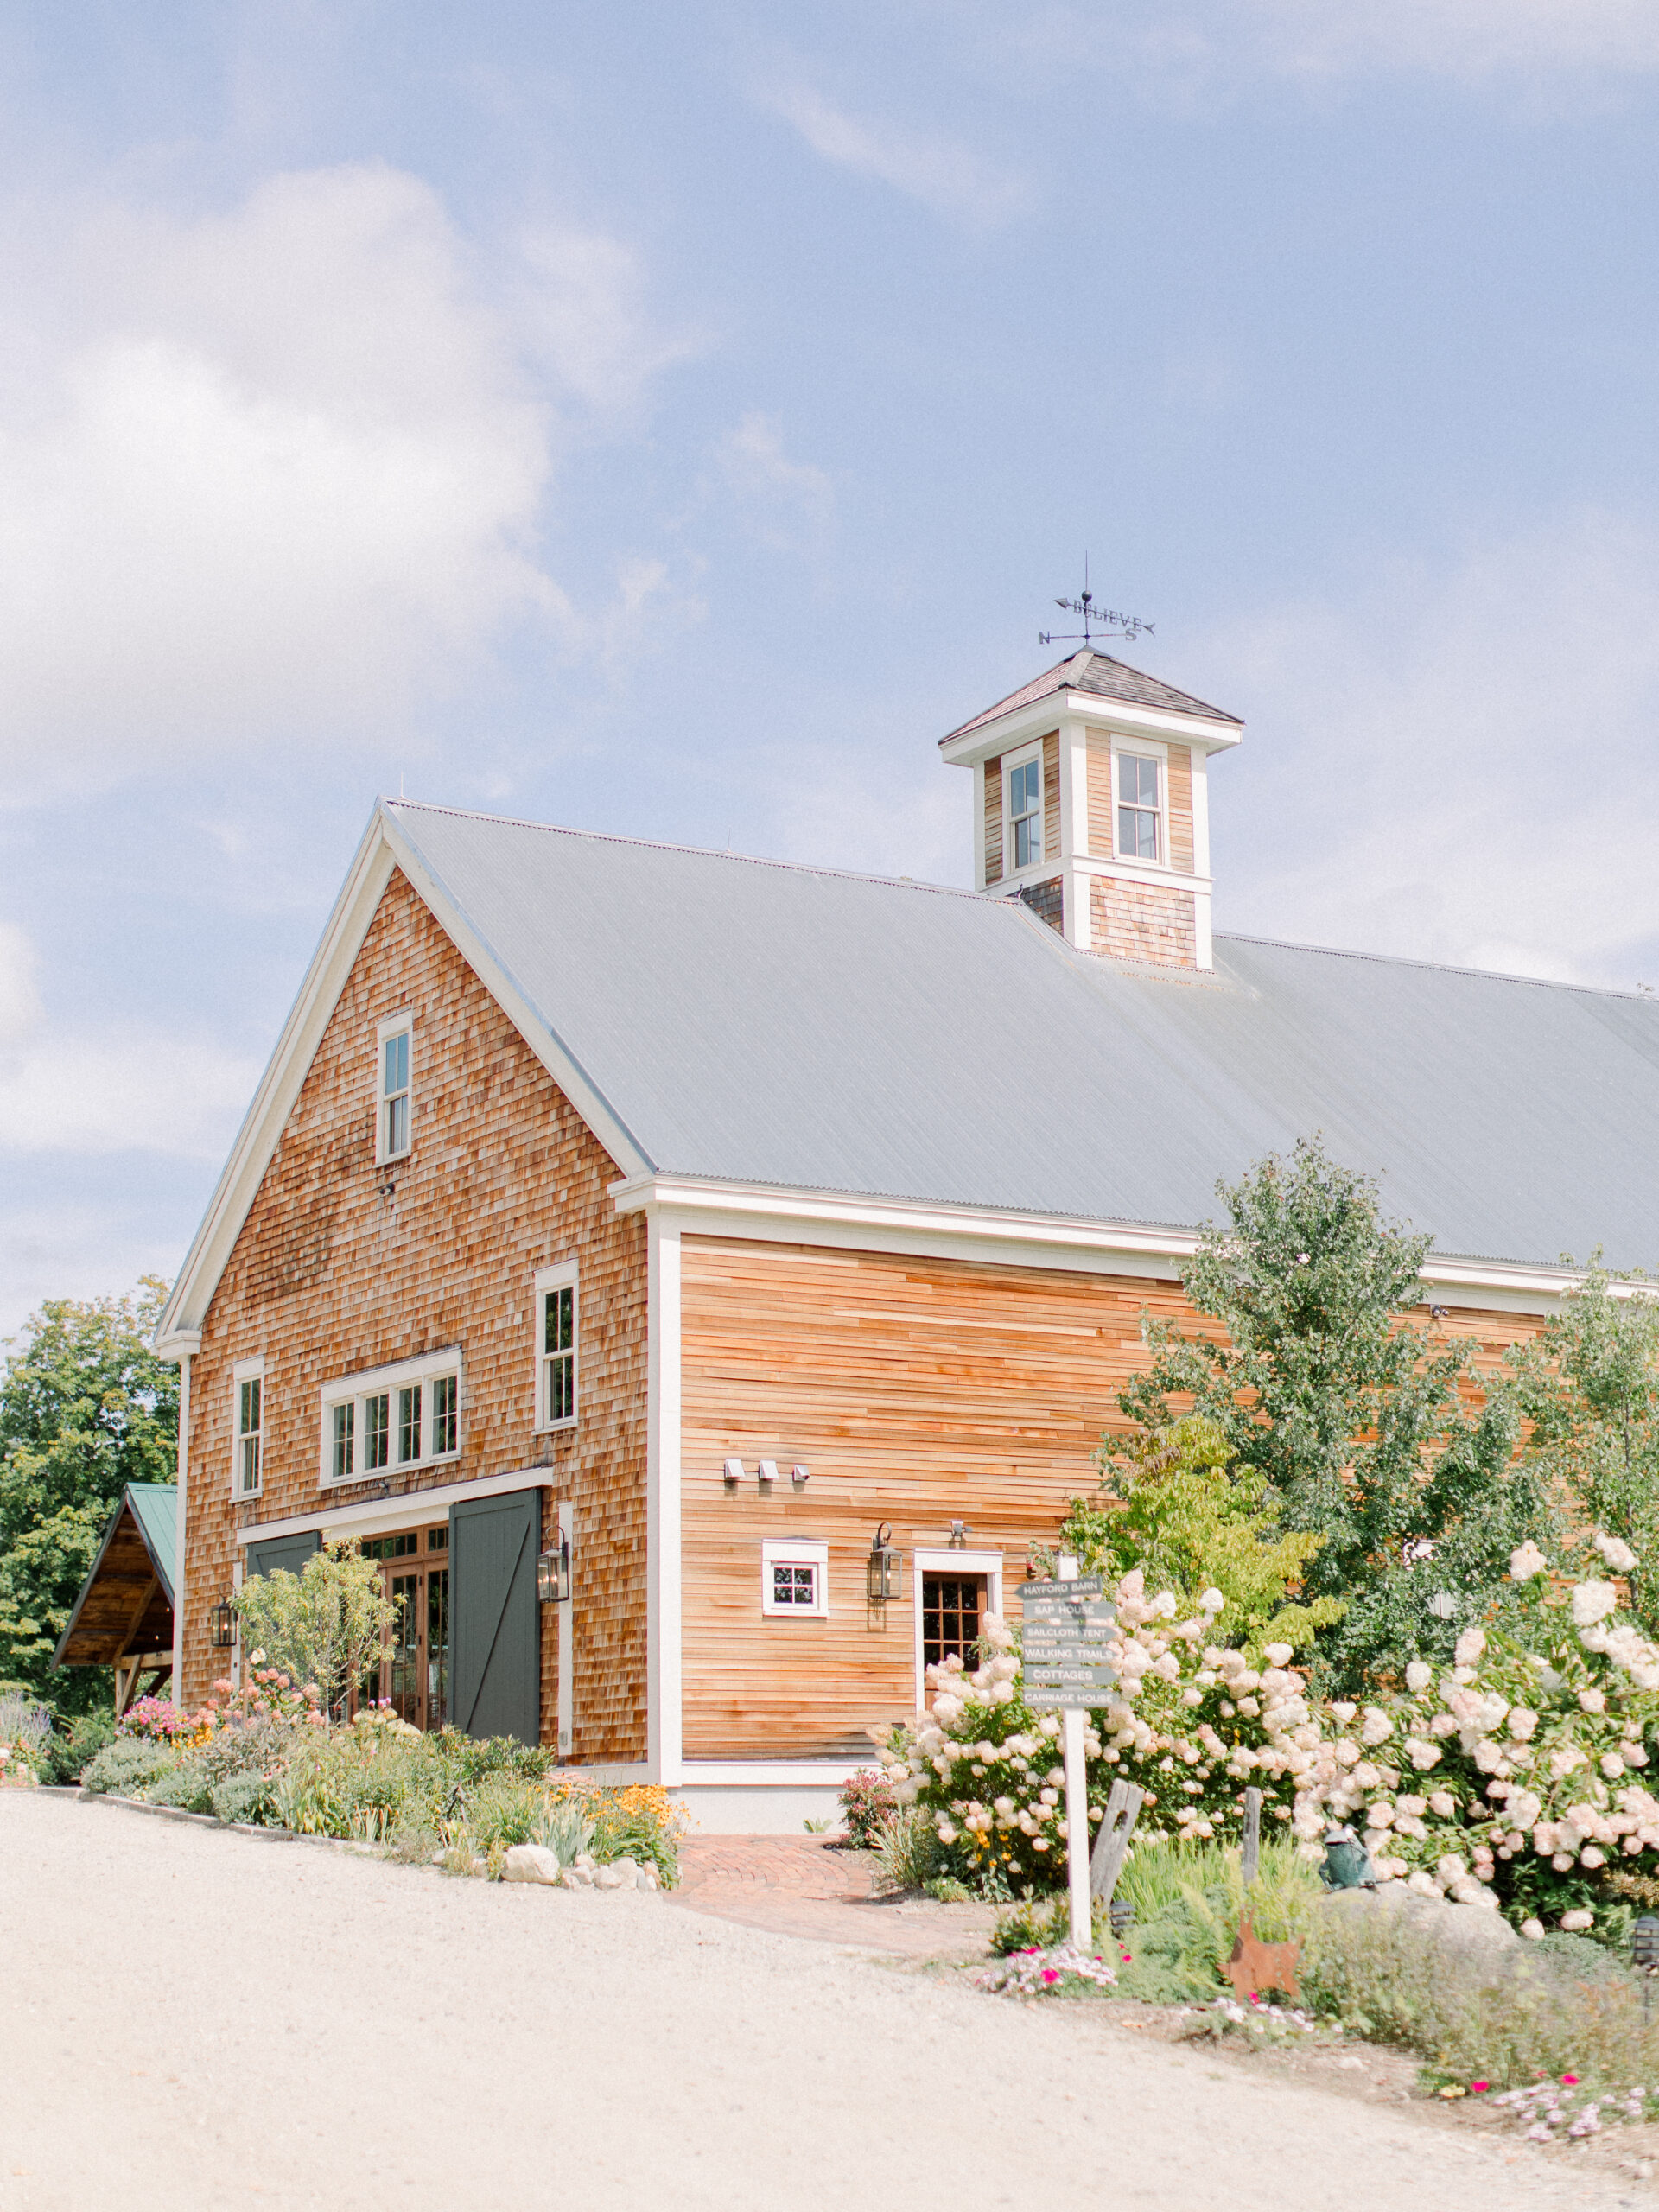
point(1569, 2080)
point(1050, 1974)
point(1478, 2089)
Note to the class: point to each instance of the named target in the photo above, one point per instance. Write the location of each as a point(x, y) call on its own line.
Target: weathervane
point(1108, 622)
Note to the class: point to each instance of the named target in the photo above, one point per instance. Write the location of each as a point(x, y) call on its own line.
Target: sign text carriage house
point(705, 1216)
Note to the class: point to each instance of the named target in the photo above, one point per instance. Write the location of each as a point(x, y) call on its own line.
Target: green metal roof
point(155, 1508)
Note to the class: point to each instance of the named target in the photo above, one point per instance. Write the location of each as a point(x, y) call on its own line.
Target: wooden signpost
point(1068, 1625)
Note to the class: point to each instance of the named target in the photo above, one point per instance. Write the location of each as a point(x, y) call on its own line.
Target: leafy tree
point(1359, 1422)
point(1589, 1386)
point(86, 1408)
point(1168, 1505)
point(326, 1626)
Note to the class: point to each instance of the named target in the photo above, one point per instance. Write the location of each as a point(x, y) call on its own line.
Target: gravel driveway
point(193, 2019)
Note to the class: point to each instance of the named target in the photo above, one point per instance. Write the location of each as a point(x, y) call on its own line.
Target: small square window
point(795, 1580)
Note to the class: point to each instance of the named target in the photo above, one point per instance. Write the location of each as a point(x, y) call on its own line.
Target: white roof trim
point(383, 849)
point(407, 1508)
point(766, 1212)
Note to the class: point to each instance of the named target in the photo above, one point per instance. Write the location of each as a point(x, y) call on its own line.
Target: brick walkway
point(798, 1885)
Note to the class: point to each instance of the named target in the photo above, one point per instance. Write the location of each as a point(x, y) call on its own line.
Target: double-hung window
point(1139, 805)
point(555, 1347)
point(391, 1419)
point(392, 1053)
point(247, 1464)
point(1025, 811)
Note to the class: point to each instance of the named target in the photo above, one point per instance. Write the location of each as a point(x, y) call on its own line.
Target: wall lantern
point(222, 1624)
point(960, 1533)
point(882, 1569)
point(553, 1574)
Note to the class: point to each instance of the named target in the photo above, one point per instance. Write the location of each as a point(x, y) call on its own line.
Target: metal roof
point(776, 1025)
point(1089, 671)
point(154, 1510)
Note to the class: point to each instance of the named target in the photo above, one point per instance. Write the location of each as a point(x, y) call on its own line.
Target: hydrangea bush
point(1517, 1777)
point(1193, 1722)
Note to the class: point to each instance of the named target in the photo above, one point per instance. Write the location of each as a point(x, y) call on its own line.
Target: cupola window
point(1025, 811)
point(1137, 807)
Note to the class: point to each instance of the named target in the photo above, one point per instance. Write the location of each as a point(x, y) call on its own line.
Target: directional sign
point(1058, 1612)
point(1081, 1586)
point(1077, 1687)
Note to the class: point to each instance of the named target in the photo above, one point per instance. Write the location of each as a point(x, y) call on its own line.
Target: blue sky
point(670, 420)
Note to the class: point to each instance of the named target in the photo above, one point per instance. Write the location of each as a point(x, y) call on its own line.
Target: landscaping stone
point(532, 1862)
point(1468, 1931)
point(577, 1877)
point(612, 1877)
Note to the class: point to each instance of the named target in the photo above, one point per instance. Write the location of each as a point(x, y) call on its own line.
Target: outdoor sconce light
point(882, 1569)
point(766, 1473)
point(553, 1574)
point(800, 1477)
point(960, 1533)
point(732, 1473)
point(222, 1624)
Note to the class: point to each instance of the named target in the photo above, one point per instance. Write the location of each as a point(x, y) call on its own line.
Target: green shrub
point(187, 1786)
point(564, 1826)
point(502, 1812)
point(68, 1752)
point(243, 1797)
point(907, 1848)
point(127, 1767)
point(868, 1798)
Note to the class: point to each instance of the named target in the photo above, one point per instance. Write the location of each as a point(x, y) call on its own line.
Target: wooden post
point(1112, 1843)
point(1250, 1859)
point(1076, 1804)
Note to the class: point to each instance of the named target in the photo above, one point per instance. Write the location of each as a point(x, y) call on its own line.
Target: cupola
point(1090, 804)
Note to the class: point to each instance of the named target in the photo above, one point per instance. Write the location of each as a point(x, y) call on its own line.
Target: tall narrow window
point(249, 1434)
point(377, 1429)
point(409, 1422)
point(446, 1403)
point(394, 1092)
point(1137, 807)
point(343, 1462)
point(1025, 811)
point(556, 1379)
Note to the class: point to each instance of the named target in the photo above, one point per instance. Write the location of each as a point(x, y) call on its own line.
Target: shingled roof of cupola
point(1088, 671)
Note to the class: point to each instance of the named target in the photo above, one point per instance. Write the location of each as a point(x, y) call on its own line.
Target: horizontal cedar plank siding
point(994, 821)
point(1098, 768)
point(1052, 796)
point(1181, 807)
point(918, 1392)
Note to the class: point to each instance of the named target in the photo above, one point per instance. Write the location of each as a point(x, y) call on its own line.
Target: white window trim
point(564, 1276)
point(1011, 761)
point(394, 1025)
point(1144, 749)
point(796, 1555)
point(354, 1389)
point(989, 1564)
point(246, 1370)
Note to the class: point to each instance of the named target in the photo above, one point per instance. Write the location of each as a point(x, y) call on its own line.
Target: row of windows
point(1140, 780)
point(396, 1419)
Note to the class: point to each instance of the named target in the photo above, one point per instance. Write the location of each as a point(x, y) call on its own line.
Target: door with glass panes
point(413, 1676)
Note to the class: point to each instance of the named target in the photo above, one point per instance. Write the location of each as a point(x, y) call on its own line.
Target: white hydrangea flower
point(1532, 1930)
point(1526, 1561)
point(1276, 1655)
point(1423, 1755)
point(1471, 1645)
point(1575, 1922)
point(1616, 1553)
point(1522, 1723)
point(1211, 1602)
point(1592, 1602)
point(1443, 1804)
point(1418, 1677)
point(1377, 1727)
point(1592, 1701)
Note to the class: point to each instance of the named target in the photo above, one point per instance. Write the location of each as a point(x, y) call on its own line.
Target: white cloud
point(790, 502)
point(20, 1001)
point(942, 173)
point(1459, 38)
point(272, 476)
point(1458, 767)
point(123, 1089)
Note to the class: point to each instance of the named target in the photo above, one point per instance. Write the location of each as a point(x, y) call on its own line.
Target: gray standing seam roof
point(778, 1025)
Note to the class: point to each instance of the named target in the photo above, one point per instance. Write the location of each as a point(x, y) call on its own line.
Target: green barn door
point(283, 1554)
point(494, 1628)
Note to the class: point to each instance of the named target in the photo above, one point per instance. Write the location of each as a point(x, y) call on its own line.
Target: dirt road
point(191, 2020)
